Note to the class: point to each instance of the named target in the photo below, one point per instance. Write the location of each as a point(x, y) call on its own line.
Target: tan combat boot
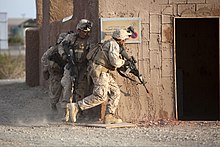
point(111, 119)
point(73, 110)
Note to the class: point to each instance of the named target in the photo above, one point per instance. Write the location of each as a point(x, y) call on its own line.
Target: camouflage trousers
point(55, 88)
point(67, 85)
point(105, 89)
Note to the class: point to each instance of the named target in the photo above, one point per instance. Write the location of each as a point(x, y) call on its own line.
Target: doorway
point(197, 68)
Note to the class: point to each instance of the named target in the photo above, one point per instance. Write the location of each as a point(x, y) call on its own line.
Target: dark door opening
point(197, 68)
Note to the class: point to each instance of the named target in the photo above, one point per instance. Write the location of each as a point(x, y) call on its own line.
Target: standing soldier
point(53, 72)
point(105, 88)
point(74, 49)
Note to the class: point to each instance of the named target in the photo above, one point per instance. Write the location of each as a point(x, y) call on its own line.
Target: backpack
point(55, 56)
point(93, 52)
point(99, 56)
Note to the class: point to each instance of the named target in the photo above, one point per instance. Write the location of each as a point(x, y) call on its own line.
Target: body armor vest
point(102, 57)
point(80, 48)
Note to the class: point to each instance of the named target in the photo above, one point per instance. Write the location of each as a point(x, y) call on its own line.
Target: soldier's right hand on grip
point(127, 63)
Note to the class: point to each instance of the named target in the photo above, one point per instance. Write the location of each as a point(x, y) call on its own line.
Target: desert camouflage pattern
point(105, 87)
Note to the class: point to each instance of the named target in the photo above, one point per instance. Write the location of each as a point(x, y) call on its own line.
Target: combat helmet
point(121, 34)
point(84, 25)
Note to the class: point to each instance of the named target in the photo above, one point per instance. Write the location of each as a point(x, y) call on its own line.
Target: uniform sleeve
point(60, 49)
point(69, 39)
point(114, 55)
point(44, 59)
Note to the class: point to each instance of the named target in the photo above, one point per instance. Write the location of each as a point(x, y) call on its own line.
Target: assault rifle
point(70, 58)
point(55, 56)
point(130, 67)
point(71, 65)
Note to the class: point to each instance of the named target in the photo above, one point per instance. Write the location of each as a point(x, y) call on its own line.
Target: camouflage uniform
point(54, 72)
point(105, 88)
point(104, 84)
point(55, 75)
point(80, 47)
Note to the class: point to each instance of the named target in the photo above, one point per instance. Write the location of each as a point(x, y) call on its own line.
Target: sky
point(18, 8)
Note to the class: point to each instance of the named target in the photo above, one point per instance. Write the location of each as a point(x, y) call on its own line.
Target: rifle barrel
point(142, 82)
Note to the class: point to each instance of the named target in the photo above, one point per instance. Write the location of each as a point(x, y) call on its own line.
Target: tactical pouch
point(95, 70)
point(99, 56)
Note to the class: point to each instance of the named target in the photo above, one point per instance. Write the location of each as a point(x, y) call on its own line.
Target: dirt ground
point(26, 120)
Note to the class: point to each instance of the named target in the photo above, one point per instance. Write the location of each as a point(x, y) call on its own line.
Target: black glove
point(127, 63)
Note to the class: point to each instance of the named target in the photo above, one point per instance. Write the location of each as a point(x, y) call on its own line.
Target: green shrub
point(16, 40)
point(12, 67)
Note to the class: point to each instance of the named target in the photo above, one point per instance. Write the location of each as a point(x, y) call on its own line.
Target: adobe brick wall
point(154, 54)
point(50, 15)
